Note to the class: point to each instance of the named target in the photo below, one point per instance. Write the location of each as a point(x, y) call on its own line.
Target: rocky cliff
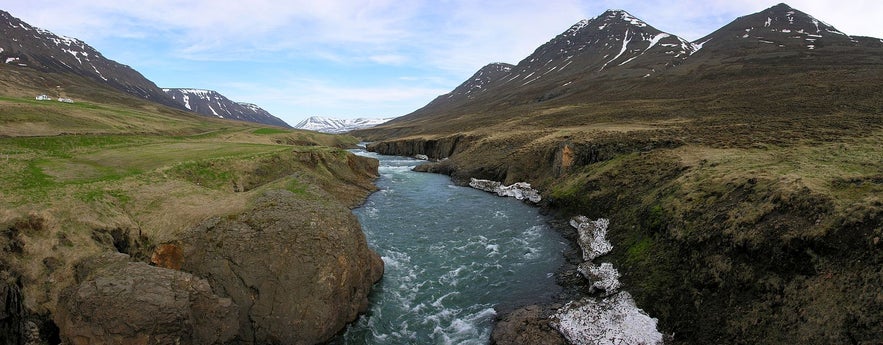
point(274, 256)
point(297, 275)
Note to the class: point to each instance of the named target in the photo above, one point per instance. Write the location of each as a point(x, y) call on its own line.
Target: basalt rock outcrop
point(527, 325)
point(439, 148)
point(297, 274)
point(116, 301)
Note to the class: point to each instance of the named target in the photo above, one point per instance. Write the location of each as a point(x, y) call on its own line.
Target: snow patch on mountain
point(332, 125)
point(212, 103)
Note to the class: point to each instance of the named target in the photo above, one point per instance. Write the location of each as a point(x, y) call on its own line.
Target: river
point(452, 255)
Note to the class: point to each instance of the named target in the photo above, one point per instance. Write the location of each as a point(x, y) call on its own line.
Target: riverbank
point(183, 232)
point(762, 244)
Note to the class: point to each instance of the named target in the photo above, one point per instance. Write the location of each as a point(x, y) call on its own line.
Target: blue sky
point(371, 58)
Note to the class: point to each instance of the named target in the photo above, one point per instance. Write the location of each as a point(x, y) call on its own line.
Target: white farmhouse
point(43, 98)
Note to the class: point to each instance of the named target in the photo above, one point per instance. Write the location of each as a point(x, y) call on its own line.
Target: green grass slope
point(114, 173)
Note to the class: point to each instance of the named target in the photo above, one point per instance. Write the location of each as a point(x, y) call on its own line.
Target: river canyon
point(454, 256)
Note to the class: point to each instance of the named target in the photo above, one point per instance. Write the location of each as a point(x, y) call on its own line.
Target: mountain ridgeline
point(617, 56)
point(332, 125)
point(740, 172)
point(27, 47)
point(212, 103)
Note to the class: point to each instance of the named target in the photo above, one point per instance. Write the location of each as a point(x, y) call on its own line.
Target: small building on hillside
point(43, 98)
point(65, 100)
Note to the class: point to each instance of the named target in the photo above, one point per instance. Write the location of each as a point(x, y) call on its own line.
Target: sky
point(366, 58)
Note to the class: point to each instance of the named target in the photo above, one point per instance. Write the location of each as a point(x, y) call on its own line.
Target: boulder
point(119, 302)
point(299, 268)
point(526, 325)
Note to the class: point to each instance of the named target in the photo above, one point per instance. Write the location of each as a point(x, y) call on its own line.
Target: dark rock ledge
point(292, 270)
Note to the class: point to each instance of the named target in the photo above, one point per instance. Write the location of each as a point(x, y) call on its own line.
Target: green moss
point(296, 187)
point(656, 218)
point(96, 195)
point(639, 251)
point(33, 177)
point(206, 173)
point(64, 146)
point(266, 131)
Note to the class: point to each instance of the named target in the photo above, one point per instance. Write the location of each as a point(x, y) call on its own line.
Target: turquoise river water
point(452, 255)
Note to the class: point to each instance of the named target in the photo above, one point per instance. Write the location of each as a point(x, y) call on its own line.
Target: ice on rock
point(518, 190)
point(592, 236)
point(604, 277)
point(608, 321)
point(613, 318)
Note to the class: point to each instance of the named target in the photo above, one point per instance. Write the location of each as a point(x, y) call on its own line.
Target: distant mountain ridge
point(26, 46)
point(212, 103)
point(332, 125)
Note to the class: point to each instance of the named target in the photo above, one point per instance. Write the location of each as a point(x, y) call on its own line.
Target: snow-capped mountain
point(212, 103)
point(613, 45)
point(331, 125)
point(775, 28)
point(26, 46)
point(480, 80)
point(616, 56)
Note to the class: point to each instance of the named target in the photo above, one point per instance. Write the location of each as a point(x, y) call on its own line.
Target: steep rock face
point(212, 103)
point(433, 148)
point(26, 46)
point(122, 302)
point(12, 313)
point(297, 274)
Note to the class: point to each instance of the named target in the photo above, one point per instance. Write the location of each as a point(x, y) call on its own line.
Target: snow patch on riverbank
point(612, 318)
point(518, 190)
point(592, 236)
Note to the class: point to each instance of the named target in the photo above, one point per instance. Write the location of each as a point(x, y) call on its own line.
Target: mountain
point(331, 125)
point(612, 46)
point(617, 56)
point(777, 28)
point(25, 46)
point(740, 172)
point(212, 103)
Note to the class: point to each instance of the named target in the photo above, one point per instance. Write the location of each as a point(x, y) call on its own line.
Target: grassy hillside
point(114, 173)
point(745, 199)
